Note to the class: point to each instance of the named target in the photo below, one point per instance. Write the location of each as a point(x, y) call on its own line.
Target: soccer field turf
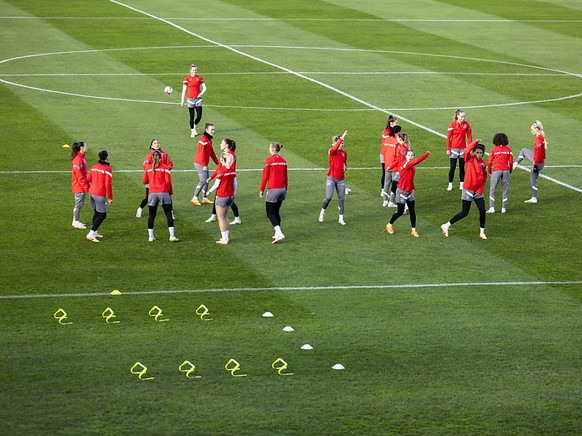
point(455, 335)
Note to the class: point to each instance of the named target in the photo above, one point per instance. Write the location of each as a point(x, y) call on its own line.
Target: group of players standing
point(397, 160)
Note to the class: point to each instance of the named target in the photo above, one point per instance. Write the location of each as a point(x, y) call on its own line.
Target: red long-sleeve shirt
point(79, 176)
point(500, 159)
point(100, 180)
point(205, 151)
point(338, 159)
point(407, 172)
point(475, 171)
point(274, 173)
point(539, 150)
point(160, 179)
point(459, 134)
point(226, 177)
point(149, 159)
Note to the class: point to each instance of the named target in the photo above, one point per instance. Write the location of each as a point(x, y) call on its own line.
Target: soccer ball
point(348, 191)
point(168, 90)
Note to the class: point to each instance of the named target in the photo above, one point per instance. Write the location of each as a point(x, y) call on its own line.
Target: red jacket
point(390, 151)
point(274, 173)
point(149, 159)
point(100, 179)
point(205, 151)
point(407, 172)
point(227, 177)
point(539, 150)
point(500, 158)
point(338, 160)
point(456, 135)
point(79, 178)
point(475, 171)
point(160, 179)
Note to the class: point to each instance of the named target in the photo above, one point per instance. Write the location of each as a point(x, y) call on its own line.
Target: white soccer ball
point(348, 191)
point(168, 90)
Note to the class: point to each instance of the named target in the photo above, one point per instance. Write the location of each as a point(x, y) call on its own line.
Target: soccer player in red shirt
point(459, 134)
point(226, 189)
point(405, 191)
point(204, 153)
point(501, 160)
point(193, 88)
point(275, 178)
point(473, 188)
point(390, 147)
point(154, 145)
point(537, 157)
point(79, 183)
point(229, 146)
point(336, 177)
point(100, 182)
point(390, 122)
point(157, 176)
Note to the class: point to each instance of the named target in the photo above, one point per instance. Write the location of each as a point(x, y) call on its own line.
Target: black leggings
point(198, 111)
point(234, 208)
point(144, 202)
point(273, 212)
point(154, 210)
point(461, 169)
point(98, 218)
point(480, 202)
point(383, 176)
point(400, 211)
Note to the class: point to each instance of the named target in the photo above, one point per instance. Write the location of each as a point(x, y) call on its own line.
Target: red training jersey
point(407, 172)
point(539, 150)
point(500, 158)
point(459, 134)
point(79, 177)
point(205, 151)
point(100, 180)
point(274, 173)
point(338, 159)
point(226, 177)
point(475, 171)
point(149, 159)
point(159, 179)
point(194, 83)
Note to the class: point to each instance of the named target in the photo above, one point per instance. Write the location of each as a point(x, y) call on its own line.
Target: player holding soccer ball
point(194, 87)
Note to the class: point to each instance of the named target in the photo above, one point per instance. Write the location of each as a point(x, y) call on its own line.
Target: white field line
point(300, 288)
point(253, 170)
point(380, 20)
point(274, 73)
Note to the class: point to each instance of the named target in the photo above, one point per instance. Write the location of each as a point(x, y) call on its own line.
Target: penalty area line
point(301, 288)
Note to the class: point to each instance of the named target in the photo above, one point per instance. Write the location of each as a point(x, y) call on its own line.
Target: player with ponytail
point(537, 157)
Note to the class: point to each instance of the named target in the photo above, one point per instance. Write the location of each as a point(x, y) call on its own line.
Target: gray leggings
point(340, 187)
point(203, 174)
point(496, 176)
point(533, 177)
point(79, 201)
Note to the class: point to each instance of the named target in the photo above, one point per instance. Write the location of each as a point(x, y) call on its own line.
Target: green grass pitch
point(436, 335)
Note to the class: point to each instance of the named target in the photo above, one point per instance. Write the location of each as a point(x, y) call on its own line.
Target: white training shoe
point(341, 222)
point(321, 217)
point(515, 164)
point(385, 203)
point(151, 239)
point(211, 219)
point(222, 241)
point(445, 230)
point(503, 210)
point(450, 187)
point(236, 220)
point(482, 236)
point(92, 238)
point(138, 212)
point(531, 200)
point(391, 204)
point(194, 133)
point(79, 225)
point(278, 238)
point(174, 239)
point(490, 210)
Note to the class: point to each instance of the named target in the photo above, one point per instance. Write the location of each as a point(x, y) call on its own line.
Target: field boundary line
point(301, 288)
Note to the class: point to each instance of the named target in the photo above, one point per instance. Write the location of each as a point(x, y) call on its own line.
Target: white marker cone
point(288, 329)
point(338, 366)
point(307, 347)
point(267, 315)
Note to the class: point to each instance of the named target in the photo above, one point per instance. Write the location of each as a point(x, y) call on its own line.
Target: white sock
point(322, 212)
point(151, 233)
point(171, 230)
point(448, 224)
point(482, 230)
point(225, 235)
point(213, 215)
point(341, 218)
point(277, 230)
point(413, 229)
